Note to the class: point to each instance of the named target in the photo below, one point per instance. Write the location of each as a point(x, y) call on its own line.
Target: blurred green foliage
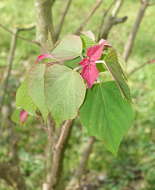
point(134, 167)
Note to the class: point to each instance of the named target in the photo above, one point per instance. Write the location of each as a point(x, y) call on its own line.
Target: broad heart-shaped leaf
point(69, 48)
point(106, 114)
point(23, 100)
point(111, 61)
point(65, 92)
point(36, 87)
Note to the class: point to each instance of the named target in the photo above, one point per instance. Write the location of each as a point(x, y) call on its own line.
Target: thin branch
point(59, 29)
point(88, 17)
point(133, 33)
point(20, 37)
point(104, 16)
point(80, 170)
point(58, 154)
point(140, 67)
point(10, 63)
point(111, 20)
point(118, 4)
point(120, 20)
point(85, 157)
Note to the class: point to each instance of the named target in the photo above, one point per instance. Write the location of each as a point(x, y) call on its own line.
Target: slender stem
point(10, 63)
point(20, 37)
point(58, 155)
point(80, 170)
point(140, 67)
point(133, 33)
point(89, 16)
point(111, 19)
point(60, 26)
point(103, 18)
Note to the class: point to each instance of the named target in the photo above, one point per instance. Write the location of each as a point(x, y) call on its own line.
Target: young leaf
point(23, 100)
point(69, 48)
point(36, 88)
point(65, 92)
point(73, 63)
point(87, 42)
point(116, 71)
point(106, 114)
point(23, 116)
point(89, 70)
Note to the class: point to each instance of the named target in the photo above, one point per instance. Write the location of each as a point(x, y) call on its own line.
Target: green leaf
point(116, 71)
point(23, 100)
point(65, 92)
point(73, 63)
point(87, 42)
point(69, 48)
point(15, 117)
point(106, 114)
point(36, 87)
point(100, 67)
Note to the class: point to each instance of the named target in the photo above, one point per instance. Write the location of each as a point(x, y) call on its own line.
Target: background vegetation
point(134, 167)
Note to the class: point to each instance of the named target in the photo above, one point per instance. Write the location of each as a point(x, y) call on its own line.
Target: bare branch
point(88, 17)
point(133, 33)
point(111, 20)
point(20, 37)
point(140, 67)
point(80, 170)
point(85, 157)
point(10, 62)
point(44, 23)
point(57, 156)
point(120, 20)
point(103, 18)
point(118, 4)
point(59, 29)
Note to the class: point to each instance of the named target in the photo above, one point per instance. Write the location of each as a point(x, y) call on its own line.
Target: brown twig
point(111, 19)
point(59, 28)
point(103, 18)
point(57, 155)
point(133, 33)
point(44, 23)
point(89, 16)
point(85, 157)
point(51, 24)
point(80, 170)
point(10, 63)
point(140, 67)
point(20, 37)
